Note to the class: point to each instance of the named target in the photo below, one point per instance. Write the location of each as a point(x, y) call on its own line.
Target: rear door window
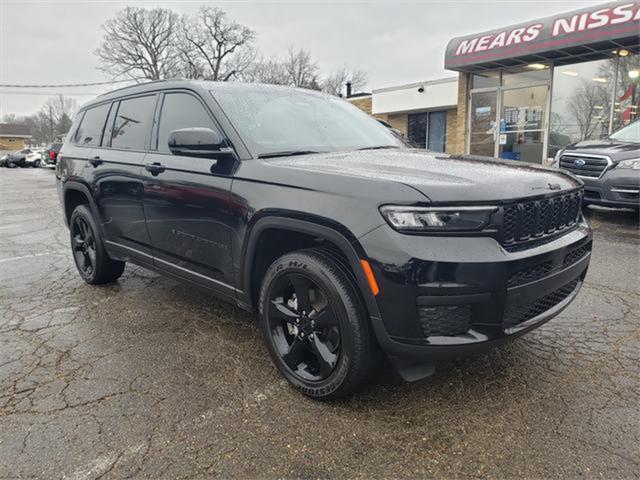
point(132, 123)
point(90, 130)
point(180, 110)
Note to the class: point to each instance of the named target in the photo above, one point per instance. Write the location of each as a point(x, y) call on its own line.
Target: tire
point(324, 360)
point(91, 259)
point(36, 164)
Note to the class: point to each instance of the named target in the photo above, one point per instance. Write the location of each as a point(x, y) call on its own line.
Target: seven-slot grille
point(534, 220)
point(584, 165)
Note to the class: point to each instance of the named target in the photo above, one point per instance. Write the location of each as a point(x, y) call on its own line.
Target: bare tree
point(335, 82)
point(302, 70)
point(140, 43)
point(272, 72)
point(589, 105)
point(218, 48)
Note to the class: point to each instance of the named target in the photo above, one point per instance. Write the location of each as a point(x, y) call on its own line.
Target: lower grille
point(530, 274)
point(516, 315)
point(445, 321)
point(575, 255)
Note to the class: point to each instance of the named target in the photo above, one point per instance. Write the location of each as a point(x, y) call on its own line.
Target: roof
point(14, 130)
point(198, 85)
point(416, 84)
point(580, 35)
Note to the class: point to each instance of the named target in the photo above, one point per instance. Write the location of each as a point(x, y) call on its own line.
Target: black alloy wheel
point(91, 258)
point(303, 327)
point(315, 325)
point(83, 243)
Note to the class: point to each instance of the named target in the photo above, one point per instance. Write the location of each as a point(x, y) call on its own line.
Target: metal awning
point(573, 37)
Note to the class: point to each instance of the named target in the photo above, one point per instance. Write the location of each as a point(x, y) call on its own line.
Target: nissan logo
point(578, 162)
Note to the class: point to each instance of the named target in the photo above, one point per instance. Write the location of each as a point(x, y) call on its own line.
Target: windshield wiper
point(379, 147)
point(288, 153)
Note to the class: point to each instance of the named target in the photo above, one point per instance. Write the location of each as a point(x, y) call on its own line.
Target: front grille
point(531, 221)
point(445, 321)
point(530, 274)
point(584, 165)
point(521, 313)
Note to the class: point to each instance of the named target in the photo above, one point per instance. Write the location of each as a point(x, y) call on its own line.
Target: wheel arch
point(73, 193)
point(340, 238)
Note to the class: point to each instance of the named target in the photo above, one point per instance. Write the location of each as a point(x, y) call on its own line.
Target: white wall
point(437, 94)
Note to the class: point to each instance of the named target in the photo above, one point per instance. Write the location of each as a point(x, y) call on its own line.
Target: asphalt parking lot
point(149, 378)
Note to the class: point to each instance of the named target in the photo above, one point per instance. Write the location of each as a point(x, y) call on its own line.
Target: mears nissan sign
point(582, 27)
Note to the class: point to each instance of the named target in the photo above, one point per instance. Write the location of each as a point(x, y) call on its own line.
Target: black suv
point(610, 168)
point(299, 206)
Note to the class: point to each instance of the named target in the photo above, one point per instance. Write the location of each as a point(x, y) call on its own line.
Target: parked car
point(610, 168)
point(24, 158)
point(51, 154)
point(300, 207)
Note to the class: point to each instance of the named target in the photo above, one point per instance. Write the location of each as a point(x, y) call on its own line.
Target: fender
point(80, 187)
point(352, 251)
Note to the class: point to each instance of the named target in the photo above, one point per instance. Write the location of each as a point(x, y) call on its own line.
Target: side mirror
point(197, 142)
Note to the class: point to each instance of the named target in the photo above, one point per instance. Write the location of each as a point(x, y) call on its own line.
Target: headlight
point(556, 159)
point(633, 164)
point(429, 219)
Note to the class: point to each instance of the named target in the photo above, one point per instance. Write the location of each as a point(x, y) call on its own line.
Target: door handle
point(155, 168)
point(95, 161)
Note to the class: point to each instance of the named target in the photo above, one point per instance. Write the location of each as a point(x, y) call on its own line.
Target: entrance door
point(483, 127)
point(522, 124)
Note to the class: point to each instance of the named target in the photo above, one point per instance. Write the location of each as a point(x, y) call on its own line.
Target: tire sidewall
point(307, 266)
point(83, 212)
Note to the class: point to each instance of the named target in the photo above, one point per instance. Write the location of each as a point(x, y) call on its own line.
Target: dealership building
point(524, 91)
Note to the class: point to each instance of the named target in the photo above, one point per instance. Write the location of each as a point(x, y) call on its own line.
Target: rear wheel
point(89, 255)
point(315, 326)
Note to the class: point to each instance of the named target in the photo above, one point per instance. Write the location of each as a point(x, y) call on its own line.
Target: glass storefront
point(521, 114)
point(508, 114)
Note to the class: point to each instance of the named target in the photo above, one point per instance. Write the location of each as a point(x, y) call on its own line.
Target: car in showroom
point(609, 168)
point(297, 206)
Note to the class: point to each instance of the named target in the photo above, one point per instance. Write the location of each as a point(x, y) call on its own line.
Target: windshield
point(630, 133)
point(274, 120)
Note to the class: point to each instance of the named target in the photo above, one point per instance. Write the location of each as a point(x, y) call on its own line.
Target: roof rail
point(140, 84)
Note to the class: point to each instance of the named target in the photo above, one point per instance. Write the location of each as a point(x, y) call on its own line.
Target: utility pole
point(51, 139)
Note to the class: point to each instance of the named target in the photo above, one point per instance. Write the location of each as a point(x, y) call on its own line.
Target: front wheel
point(91, 259)
point(315, 325)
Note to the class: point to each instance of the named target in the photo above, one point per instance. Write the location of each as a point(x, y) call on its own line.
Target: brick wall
point(363, 103)
point(456, 137)
point(399, 121)
point(452, 131)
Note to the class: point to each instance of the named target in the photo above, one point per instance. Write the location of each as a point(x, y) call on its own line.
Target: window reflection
point(581, 107)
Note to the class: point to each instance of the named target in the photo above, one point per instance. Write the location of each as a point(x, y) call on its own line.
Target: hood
point(440, 177)
point(614, 149)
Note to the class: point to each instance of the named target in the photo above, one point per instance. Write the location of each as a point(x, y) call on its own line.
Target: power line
point(64, 85)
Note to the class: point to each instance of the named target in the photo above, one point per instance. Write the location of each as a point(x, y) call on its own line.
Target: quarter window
point(180, 110)
point(132, 123)
point(89, 132)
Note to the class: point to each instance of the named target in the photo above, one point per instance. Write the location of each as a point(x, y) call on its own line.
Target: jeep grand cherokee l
point(610, 168)
point(299, 206)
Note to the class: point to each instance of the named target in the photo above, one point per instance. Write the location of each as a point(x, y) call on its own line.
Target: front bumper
point(616, 188)
point(452, 296)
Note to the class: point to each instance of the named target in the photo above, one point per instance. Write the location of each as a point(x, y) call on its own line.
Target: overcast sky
point(399, 42)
